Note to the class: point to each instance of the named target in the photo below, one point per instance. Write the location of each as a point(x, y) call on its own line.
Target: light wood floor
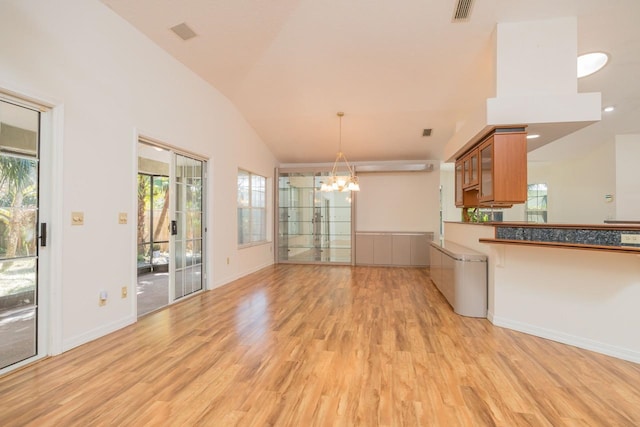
point(311, 345)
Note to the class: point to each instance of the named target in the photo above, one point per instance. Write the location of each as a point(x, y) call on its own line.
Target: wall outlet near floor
point(630, 239)
point(124, 291)
point(228, 261)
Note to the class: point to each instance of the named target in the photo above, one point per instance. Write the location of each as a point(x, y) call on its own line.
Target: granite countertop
point(577, 236)
point(629, 225)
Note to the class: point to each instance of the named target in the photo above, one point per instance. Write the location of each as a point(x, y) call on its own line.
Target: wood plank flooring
point(295, 345)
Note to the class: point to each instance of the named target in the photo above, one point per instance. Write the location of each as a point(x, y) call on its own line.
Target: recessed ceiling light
point(533, 136)
point(608, 109)
point(589, 63)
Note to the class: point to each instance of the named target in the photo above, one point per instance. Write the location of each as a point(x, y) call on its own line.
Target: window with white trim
point(536, 207)
point(252, 208)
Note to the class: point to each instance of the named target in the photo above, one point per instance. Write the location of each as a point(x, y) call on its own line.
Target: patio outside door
point(19, 233)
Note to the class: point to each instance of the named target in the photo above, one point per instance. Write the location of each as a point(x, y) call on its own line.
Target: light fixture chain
point(340, 134)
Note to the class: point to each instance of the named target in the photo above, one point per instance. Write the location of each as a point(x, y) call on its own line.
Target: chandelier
point(344, 181)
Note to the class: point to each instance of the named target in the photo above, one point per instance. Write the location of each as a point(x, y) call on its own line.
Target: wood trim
point(600, 248)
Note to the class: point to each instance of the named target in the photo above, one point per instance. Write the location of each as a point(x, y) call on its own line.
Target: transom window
point(252, 208)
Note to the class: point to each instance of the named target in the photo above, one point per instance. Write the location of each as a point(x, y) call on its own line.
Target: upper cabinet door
point(459, 192)
point(486, 170)
point(503, 169)
point(470, 169)
point(473, 156)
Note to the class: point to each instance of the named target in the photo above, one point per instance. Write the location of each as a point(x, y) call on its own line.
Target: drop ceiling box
point(536, 85)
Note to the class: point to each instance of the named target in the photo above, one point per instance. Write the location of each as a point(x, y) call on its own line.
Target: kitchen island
point(582, 293)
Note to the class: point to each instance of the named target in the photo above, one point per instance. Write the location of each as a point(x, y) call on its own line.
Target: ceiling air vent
point(183, 31)
point(462, 13)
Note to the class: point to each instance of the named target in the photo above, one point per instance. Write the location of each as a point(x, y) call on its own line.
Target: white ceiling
point(393, 67)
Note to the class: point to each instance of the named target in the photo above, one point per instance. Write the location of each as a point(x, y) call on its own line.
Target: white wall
point(109, 83)
point(584, 298)
point(398, 201)
point(448, 182)
point(627, 197)
point(577, 186)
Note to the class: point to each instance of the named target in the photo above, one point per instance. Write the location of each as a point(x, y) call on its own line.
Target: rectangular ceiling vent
point(183, 31)
point(462, 13)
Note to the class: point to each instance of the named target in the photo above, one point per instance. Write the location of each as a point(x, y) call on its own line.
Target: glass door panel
point(19, 139)
point(153, 255)
point(153, 220)
point(189, 232)
point(336, 226)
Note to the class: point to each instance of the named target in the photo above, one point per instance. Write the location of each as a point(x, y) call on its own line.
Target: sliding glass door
point(171, 229)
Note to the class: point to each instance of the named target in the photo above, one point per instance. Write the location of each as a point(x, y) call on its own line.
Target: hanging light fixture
point(345, 181)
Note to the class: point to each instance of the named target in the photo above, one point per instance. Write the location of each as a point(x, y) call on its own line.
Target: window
point(252, 208)
point(536, 207)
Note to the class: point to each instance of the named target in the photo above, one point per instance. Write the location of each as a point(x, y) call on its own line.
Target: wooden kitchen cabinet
point(503, 169)
point(494, 171)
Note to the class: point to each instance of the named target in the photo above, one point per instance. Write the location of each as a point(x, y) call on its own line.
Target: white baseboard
point(576, 341)
point(96, 333)
point(226, 280)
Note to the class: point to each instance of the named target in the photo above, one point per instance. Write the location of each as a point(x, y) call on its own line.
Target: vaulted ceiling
point(393, 67)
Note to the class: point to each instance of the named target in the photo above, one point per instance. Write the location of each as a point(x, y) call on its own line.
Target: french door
point(20, 232)
point(171, 226)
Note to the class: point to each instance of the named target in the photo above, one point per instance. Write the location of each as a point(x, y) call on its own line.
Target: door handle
point(174, 228)
point(43, 234)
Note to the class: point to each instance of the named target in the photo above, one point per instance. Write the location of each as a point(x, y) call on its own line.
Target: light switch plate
point(77, 218)
point(122, 218)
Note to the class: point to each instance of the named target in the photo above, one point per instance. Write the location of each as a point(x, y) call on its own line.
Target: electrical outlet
point(630, 239)
point(122, 218)
point(102, 302)
point(124, 291)
point(228, 261)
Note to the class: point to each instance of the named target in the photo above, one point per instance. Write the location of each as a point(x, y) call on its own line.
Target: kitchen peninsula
point(575, 284)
